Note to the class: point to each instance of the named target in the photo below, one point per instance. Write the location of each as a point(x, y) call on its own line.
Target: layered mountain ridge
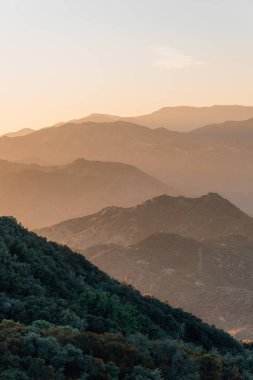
point(43, 195)
point(200, 218)
point(217, 158)
point(181, 118)
point(192, 252)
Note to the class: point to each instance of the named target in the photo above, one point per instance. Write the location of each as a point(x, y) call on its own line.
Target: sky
point(65, 59)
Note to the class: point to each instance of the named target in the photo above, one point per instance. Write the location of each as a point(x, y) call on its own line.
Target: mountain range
point(83, 179)
point(216, 158)
point(206, 217)
point(181, 118)
point(40, 196)
point(194, 253)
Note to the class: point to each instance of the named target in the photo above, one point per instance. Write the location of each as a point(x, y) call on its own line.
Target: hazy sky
point(63, 59)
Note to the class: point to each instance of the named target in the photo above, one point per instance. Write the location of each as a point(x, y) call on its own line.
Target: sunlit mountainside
point(192, 252)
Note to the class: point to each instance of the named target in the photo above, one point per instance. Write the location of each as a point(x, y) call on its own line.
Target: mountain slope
point(194, 252)
point(211, 279)
point(8, 167)
point(200, 218)
point(234, 134)
point(44, 285)
point(21, 132)
point(41, 196)
point(88, 140)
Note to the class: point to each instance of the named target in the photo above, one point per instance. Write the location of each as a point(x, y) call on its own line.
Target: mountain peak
point(200, 218)
point(205, 200)
point(168, 200)
point(212, 196)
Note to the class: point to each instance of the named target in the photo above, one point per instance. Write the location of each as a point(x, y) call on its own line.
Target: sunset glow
point(63, 59)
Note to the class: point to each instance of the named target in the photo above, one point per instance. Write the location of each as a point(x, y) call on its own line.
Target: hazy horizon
point(62, 60)
point(73, 118)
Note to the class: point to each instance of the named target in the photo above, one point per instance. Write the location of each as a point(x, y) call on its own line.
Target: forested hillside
point(72, 321)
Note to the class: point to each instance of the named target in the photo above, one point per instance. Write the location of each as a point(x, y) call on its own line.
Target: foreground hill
point(41, 196)
point(211, 279)
point(72, 321)
point(193, 252)
point(180, 118)
point(214, 158)
point(199, 218)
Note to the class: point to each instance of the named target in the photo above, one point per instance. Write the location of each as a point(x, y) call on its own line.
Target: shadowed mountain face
point(179, 118)
point(41, 196)
point(214, 158)
point(200, 218)
point(211, 279)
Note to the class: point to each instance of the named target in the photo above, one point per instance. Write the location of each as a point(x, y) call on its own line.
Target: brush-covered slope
point(205, 217)
point(212, 278)
point(41, 196)
point(72, 321)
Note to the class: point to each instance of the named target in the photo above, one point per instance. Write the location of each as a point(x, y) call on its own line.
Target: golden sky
point(64, 59)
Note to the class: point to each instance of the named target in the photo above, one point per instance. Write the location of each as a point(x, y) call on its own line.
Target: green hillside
point(62, 318)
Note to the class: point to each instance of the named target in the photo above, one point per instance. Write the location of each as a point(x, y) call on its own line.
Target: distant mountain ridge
point(40, 196)
point(180, 118)
point(21, 132)
point(177, 118)
point(216, 158)
point(200, 218)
